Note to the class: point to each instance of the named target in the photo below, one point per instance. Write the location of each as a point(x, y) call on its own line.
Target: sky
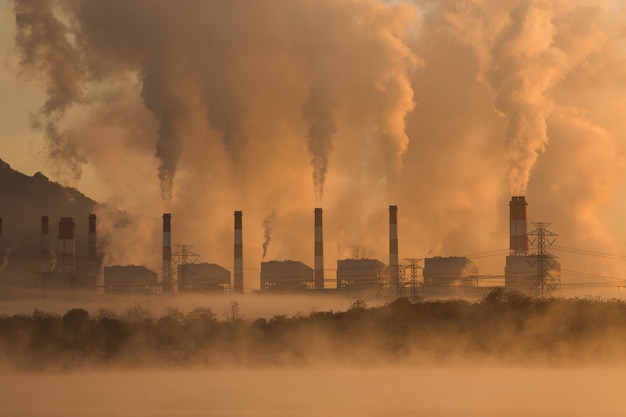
point(446, 108)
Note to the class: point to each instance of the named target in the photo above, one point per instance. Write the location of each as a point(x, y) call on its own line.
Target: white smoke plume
point(527, 48)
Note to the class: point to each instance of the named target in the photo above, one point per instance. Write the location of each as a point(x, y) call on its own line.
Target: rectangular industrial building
point(525, 273)
point(451, 271)
point(203, 277)
point(120, 279)
point(361, 273)
point(286, 275)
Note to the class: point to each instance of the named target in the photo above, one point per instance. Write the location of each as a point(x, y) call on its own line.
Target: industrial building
point(203, 277)
point(530, 273)
point(452, 271)
point(286, 275)
point(361, 273)
point(128, 279)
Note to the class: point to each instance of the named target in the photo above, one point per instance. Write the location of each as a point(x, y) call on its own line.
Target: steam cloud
point(234, 98)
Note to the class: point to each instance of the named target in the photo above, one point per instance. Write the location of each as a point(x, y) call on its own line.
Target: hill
point(23, 201)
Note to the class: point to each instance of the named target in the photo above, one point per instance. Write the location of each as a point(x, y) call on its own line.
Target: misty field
point(501, 328)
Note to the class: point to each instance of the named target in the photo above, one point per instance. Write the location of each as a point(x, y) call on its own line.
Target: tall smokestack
point(394, 268)
point(168, 285)
point(92, 255)
point(46, 264)
point(518, 232)
point(319, 251)
point(238, 269)
point(66, 246)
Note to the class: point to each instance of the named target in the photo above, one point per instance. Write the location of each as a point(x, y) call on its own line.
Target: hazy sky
point(445, 108)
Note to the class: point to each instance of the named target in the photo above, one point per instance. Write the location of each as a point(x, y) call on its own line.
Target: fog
point(389, 391)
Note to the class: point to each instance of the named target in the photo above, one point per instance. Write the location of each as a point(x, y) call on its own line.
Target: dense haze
point(446, 108)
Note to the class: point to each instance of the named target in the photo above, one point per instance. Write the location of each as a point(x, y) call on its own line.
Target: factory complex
point(535, 272)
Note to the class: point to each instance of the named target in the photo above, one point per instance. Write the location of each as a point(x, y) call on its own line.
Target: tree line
point(502, 327)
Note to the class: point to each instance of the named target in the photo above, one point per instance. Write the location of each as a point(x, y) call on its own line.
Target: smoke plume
point(237, 99)
point(44, 43)
point(527, 50)
point(267, 232)
point(319, 111)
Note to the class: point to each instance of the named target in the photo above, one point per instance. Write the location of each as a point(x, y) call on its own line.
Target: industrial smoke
point(211, 106)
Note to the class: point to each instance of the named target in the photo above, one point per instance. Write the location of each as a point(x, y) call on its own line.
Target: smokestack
point(394, 269)
point(518, 231)
point(168, 285)
point(66, 246)
point(92, 255)
point(46, 265)
point(319, 251)
point(238, 269)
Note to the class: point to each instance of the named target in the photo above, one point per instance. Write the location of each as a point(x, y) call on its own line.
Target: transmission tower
point(548, 277)
point(414, 267)
point(183, 256)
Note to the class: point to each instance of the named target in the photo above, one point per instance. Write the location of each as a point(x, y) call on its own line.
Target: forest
point(504, 327)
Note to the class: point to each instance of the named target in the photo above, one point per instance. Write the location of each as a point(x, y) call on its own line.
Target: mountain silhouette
point(23, 201)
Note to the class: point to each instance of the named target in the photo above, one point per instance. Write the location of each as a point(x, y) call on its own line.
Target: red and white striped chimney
point(46, 264)
point(518, 230)
point(66, 246)
point(167, 282)
point(394, 268)
point(238, 268)
point(92, 254)
point(319, 250)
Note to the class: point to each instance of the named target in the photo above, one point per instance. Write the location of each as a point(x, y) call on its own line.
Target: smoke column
point(267, 232)
point(319, 111)
point(46, 51)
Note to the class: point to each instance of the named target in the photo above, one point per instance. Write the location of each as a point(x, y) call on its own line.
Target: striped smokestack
point(394, 272)
point(92, 255)
point(66, 246)
point(319, 251)
point(238, 269)
point(46, 265)
point(518, 231)
point(168, 284)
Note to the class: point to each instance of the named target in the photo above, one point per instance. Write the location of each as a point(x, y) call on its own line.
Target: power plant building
point(526, 273)
point(452, 271)
point(203, 277)
point(361, 273)
point(286, 275)
point(126, 279)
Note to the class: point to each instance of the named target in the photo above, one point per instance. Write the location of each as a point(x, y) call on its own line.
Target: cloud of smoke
point(527, 48)
point(47, 52)
point(318, 111)
point(228, 91)
point(267, 232)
